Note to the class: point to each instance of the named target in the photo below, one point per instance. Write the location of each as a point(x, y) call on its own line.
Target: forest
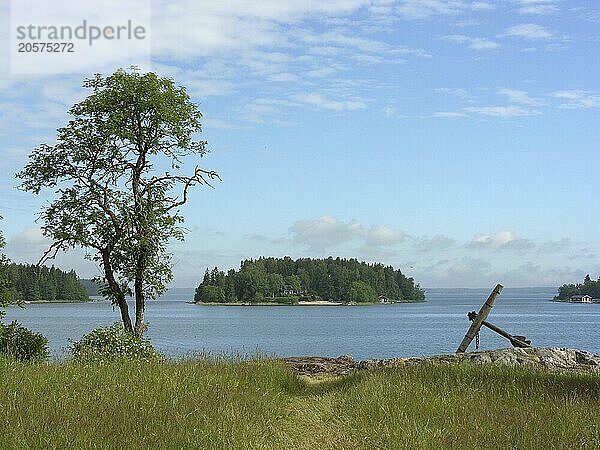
point(284, 280)
point(34, 283)
point(588, 287)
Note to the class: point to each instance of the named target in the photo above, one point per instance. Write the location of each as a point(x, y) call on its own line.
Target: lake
point(180, 329)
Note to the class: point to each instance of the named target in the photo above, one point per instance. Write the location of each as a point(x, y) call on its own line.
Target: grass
point(260, 404)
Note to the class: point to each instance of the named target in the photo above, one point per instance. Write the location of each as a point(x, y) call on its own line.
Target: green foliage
point(5, 295)
point(210, 294)
point(91, 286)
point(106, 344)
point(287, 300)
point(30, 283)
point(361, 292)
point(329, 279)
point(22, 344)
point(117, 170)
point(588, 287)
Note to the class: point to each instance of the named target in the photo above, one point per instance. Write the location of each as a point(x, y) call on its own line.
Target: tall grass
point(218, 403)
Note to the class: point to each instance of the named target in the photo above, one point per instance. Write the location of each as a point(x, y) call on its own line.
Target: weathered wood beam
point(514, 340)
point(481, 316)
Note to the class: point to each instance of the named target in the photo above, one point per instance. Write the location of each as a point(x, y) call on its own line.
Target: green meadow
point(221, 403)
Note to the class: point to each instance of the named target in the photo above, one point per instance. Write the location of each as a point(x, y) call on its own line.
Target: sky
point(455, 140)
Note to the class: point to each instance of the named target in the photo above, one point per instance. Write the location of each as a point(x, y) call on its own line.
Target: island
point(307, 281)
point(586, 292)
point(41, 284)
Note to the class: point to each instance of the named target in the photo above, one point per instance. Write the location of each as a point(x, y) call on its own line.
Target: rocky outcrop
point(552, 359)
point(318, 365)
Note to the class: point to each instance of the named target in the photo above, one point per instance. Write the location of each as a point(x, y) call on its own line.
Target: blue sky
point(456, 140)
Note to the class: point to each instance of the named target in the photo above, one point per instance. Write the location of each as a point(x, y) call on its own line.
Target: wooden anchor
point(478, 320)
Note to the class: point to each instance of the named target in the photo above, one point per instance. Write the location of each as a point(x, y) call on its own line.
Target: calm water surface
point(181, 329)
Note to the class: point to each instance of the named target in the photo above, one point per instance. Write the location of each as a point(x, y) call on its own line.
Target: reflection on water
point(178, 328)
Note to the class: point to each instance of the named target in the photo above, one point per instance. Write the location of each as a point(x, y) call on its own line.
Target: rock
point(551, 359)
point(586, 358)
point(319, 365)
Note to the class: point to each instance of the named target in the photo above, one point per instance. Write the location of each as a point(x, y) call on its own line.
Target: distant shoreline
point(315, 303)
point(35, 302)
point(301, 303)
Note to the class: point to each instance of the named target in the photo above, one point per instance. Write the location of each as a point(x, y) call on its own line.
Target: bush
point(18, 342)
point(106, 344)
point(287, 300)
point(209, 294)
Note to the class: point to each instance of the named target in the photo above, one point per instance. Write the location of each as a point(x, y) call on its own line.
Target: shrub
point(18, 342)
point(106, 344)
point(287, 300)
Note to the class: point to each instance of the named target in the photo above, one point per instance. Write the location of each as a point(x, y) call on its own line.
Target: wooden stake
point(481, 316)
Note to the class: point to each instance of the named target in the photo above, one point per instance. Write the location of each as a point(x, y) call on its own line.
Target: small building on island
point(289, 291)
point(580, 299)
point(383, 299)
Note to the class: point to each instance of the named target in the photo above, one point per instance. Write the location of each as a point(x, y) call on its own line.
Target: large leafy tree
point(117, 170)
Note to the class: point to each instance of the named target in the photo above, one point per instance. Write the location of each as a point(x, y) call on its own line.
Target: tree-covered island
point(588, 287)
point(31, 283)
point(288, 281)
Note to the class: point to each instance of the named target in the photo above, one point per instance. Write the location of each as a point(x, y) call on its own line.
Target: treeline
point(287, 281)
point(92, 288)
point(588, 287)
point(32, 283)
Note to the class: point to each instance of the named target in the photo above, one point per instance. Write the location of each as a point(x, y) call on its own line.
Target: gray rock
point(552, 359)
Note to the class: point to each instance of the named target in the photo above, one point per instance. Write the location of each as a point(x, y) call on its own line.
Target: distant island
point(284, 281)
point(588, 288)
point(92, 288)
point(42, 284)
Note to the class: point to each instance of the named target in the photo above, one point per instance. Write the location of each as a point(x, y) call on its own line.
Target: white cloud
point(577, 99)
point(324, 232)
point(392, 111)
point(460, 272)
point(321, 72)
point(380, 235)
point(520, 97)
point(473, 43)
point(283, 77)
point(29, 245)
point(502, 240)
point(389, 110)
point(533, 274)
point(318, 100)
point(457, 92)
point(482, 6)
point(433, 244)
point(504, 112)
point(29, 237)
point(449, 114)
point(496, 240)
point(483, 44)
point(421, 9)
point(550, 247)
point(529, 31)
point(537, 6)
point(327, 232)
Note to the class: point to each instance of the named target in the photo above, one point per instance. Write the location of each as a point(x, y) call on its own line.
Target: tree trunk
point(116, 290)
point(140, 229)
point(140, 305)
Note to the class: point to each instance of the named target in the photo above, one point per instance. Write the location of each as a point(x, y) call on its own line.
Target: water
point(181, 329)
